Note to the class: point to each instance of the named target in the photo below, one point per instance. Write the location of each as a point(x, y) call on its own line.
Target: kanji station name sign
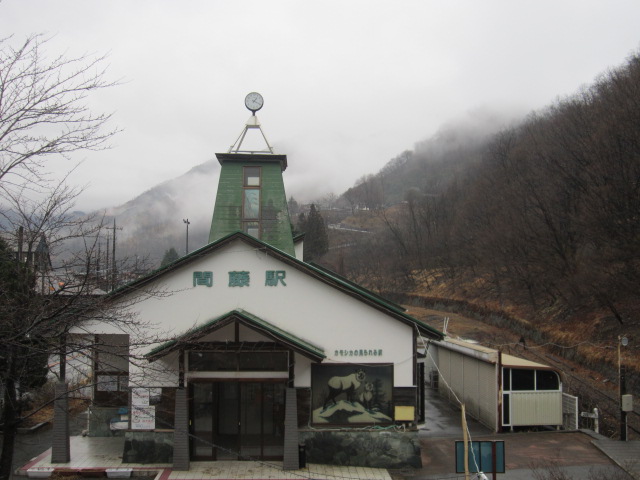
point(272, 278)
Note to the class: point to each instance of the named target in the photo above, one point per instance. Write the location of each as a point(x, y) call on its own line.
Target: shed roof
point(490, 355)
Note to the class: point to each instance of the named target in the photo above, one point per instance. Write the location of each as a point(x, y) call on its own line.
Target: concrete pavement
point(528, 455)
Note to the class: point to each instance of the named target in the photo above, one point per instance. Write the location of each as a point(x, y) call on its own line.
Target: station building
point(241, 350)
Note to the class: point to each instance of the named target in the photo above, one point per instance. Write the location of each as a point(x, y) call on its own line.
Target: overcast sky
point(347, 85)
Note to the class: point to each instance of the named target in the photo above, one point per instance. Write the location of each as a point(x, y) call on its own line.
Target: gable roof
point(252, 321)
point(354, 284)
point(320, 274)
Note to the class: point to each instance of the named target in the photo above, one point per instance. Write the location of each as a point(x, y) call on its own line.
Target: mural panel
point(343, 394)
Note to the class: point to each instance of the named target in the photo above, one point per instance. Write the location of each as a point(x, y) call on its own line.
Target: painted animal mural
point(347, 385)
point(366, 396)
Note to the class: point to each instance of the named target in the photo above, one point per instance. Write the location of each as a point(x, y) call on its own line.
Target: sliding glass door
point(237, 420)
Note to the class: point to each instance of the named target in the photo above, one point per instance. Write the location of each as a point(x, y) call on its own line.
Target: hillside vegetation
point(539, 221)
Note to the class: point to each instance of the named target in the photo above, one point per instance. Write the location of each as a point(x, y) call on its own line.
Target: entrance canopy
point(192, 336)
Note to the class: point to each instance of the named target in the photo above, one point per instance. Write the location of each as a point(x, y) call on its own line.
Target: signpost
point(594, 415)
point(484, 456)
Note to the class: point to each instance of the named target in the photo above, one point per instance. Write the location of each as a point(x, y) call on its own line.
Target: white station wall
point(305, 307)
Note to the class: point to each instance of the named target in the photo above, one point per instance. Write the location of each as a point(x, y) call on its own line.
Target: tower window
point(251, 176)
point(251, 209)
point(252, 228)
point(252, 182)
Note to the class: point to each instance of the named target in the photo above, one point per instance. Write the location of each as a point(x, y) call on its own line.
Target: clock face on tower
point(254, 101)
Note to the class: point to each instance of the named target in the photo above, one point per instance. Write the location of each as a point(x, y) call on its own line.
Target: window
point(238, 361)
point(111, 370)
point(252, 181)
point(547, 380)
point(251, 207)
point(252, 228)
point(506, 409)
point(251, 176)
point(515, 379)
point(522, 379)
point(506, 379)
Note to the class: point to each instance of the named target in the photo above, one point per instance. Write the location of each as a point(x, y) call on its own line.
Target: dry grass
point(45, 414)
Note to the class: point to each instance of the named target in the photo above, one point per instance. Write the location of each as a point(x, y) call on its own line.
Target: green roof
point(252, 321)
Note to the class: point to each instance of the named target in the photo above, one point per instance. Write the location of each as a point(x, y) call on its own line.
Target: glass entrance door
point(226, 427)
point(237, 420)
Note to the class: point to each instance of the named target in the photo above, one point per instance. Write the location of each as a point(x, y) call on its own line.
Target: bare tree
point(43, 116)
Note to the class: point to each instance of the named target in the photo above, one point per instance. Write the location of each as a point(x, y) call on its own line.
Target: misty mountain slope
point(153, 221)
point(433, 164)
point(539, 220)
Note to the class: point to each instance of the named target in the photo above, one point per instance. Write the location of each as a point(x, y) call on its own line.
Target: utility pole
point(114, 272)
point(622, 388)
point(623, 413)
point(113, 256)
point(107, 276)
point(186, 251)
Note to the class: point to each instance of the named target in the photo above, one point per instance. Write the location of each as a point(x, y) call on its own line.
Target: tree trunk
point(9, 428)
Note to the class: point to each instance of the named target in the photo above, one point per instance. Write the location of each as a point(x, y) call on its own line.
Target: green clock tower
point(251, 196)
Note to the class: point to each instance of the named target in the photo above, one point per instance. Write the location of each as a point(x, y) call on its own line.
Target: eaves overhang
point(249, 158)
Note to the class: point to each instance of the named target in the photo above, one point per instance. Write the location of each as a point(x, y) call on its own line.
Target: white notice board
point(143, 418)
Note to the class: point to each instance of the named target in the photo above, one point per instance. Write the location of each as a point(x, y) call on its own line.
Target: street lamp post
point(622, 388)
point(187, 246)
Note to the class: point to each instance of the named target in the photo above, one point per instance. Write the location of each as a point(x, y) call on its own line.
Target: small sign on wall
point(143, 418)
point(140, 397)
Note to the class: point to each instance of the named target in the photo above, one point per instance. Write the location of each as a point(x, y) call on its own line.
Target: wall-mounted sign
point(351, 394)
point(239, 279)
point(143, 418)
point(203, 278)
point(273, 277)
point(358, 352)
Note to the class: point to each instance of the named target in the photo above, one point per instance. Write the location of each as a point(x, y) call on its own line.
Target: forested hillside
point(541, 219)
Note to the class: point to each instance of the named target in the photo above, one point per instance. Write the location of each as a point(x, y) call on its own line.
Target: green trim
point(302, 346)
point(355, 285)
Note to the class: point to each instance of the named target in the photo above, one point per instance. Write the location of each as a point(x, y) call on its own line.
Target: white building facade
point(241, 350)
